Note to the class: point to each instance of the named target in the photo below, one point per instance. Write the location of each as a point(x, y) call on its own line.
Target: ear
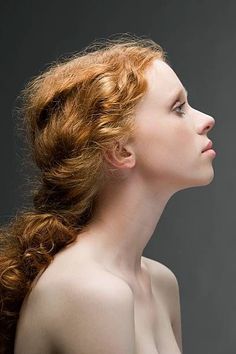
point(121, 155)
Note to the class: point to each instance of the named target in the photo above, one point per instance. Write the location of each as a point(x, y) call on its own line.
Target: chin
point(203, 180)
point(206, 179)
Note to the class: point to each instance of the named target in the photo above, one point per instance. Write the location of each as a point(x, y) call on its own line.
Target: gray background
point(196, 234)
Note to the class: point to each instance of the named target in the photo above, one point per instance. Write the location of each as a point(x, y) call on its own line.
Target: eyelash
point(180, 106)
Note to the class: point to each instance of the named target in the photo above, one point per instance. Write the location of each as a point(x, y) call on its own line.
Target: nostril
point(211, 124)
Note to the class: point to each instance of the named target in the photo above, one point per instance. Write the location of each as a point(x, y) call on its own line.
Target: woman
point(114, 138)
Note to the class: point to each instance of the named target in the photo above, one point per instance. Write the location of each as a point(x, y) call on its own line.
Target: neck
point(125, 219)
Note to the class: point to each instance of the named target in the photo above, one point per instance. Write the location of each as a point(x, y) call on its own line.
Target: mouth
point(208, 148)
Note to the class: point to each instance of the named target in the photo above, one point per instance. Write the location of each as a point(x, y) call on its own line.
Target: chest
point(153, 329)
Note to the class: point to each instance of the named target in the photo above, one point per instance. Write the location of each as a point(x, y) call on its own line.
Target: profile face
point(171, 134)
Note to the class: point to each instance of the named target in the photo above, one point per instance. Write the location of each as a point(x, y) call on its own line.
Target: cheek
point(153, 150)
point(165, 151)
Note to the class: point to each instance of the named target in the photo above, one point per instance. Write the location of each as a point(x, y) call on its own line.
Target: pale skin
point(100, 295)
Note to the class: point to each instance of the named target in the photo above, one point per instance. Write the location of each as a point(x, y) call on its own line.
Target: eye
point(179, 109)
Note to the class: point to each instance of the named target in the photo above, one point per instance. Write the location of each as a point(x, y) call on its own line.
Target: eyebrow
point(178, 93)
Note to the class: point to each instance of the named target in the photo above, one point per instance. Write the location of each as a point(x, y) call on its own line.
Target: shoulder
point(96, 284)
point(161, 274)
point(165, 283)
point(84, 305)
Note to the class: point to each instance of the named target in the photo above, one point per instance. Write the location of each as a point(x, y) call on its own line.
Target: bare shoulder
point(89, 312)
point(161, 274)
point(165, 284)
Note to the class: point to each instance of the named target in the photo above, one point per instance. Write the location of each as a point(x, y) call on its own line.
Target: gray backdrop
point(196, 234)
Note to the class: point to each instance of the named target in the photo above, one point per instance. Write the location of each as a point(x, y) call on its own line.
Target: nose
point(206, 123)
point(210, 124)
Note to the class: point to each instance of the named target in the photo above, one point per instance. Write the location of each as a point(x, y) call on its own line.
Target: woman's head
point(120, 92)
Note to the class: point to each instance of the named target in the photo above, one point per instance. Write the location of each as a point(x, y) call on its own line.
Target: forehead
point(163, 83)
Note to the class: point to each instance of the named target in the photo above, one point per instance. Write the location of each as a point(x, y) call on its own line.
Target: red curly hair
point(71, 113)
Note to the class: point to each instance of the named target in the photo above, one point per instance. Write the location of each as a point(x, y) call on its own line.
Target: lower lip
point(210, 151)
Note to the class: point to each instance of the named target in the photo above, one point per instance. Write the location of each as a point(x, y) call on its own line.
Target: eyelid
point(180, 107)
point(179, 104)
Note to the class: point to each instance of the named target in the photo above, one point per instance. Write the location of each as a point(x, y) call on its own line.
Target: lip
point(210, 152)
point(208, 146)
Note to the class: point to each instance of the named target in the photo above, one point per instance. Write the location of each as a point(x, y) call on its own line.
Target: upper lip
point(208, 146)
